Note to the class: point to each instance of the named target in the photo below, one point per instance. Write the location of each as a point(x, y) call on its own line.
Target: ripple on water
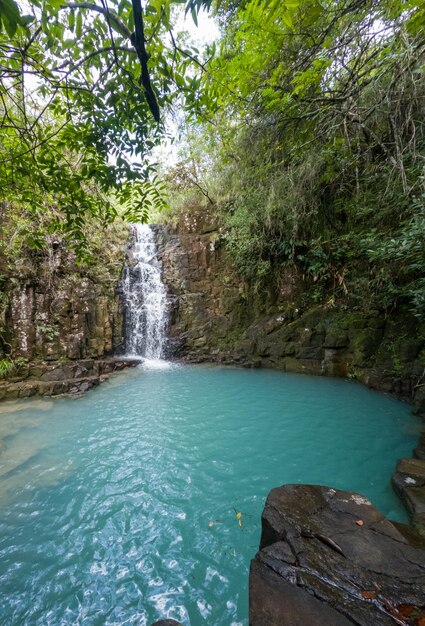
point(121, 507)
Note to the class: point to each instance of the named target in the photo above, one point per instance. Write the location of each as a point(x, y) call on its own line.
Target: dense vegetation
point(304, 133)
point(82, 86)
point(313, 123)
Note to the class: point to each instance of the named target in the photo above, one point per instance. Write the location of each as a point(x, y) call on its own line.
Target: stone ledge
point(330, 557)
point(56, 379)
point(409, 482)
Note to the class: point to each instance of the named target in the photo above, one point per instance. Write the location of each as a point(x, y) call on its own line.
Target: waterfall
point(144, 298)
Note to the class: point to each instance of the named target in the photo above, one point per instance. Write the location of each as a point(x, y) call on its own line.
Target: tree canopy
point(306, 121)
point(314, 112)
point(82, 86)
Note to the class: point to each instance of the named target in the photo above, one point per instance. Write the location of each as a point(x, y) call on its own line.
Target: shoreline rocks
point(59, 378)
point(330, 557)
point(409, 483)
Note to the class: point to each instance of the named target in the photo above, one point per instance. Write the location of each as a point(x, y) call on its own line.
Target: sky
point(203, 34)
point(206, 31)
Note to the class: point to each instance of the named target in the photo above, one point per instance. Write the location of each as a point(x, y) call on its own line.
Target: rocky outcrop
point(409, 482)
point(206, 298)
point(330, 557)
point(384, 353)
point(217, 316)
point(55, 379)
point(58, 315)
point(54, 307)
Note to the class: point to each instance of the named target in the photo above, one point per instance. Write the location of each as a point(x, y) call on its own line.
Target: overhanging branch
point(113, 17)
point(137, 39)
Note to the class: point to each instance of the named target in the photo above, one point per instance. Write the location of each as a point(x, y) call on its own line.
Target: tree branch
point(107, 13)
point(138, 41)
point(90, 56)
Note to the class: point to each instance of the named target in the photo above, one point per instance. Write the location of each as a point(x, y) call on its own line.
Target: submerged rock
point(330, 557)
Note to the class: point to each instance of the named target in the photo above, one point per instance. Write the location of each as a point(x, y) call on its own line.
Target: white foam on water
point(157, 364)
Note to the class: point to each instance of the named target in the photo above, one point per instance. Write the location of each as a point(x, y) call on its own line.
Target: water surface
point(121, 507)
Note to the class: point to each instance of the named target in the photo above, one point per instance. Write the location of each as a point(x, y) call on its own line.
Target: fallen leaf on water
point(368, 595)
point(359, 522)
point(239, 515)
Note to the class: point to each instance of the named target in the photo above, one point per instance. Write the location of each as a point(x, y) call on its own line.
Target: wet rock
point(336, 337)
point(412, 467)
point(419, 451)
point(419, 402)
point(409, 482)
point(58, 379)
point(167, 622)
point(330, 557)
point(275, 602)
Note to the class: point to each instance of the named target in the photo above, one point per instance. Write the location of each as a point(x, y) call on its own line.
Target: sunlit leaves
point(10, 17)
point(76, 125)
point(318, 107)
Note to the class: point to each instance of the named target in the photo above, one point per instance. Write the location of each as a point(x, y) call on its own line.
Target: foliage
point(81, 89)
point(48, 331)
point(9, 366)
point(318, 110)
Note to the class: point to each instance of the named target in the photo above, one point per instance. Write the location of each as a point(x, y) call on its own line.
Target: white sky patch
point(203, 34)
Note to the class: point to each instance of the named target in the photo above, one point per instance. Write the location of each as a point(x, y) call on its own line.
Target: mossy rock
point(364, 343)
point(336, 337)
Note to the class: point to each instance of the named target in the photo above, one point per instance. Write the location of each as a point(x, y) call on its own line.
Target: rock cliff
point(53, 309)
point(217, 316)
point(58, 315)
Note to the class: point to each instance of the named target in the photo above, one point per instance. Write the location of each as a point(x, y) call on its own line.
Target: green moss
point(230, 341)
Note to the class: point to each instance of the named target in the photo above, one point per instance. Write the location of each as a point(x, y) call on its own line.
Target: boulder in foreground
point(330, 558)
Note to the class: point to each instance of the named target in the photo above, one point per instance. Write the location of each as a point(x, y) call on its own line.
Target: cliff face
point(54, 308)
point(217, 316)
point(74, 317)
point(58, 317)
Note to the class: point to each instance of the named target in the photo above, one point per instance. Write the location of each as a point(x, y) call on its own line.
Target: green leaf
point(71, 20)
point(10, 16)
point(79, 25)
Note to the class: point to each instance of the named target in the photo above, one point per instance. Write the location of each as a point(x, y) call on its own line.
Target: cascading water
point(145, 299)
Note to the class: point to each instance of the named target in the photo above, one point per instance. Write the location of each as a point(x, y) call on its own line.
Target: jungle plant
point(317, 108)
point(82, 85)
point(48, 331)
point(9, 366)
